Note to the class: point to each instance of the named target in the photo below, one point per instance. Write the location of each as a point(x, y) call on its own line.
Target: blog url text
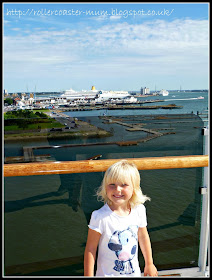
point(74, 12)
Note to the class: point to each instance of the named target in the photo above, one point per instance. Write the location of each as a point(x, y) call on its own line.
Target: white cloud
point(115, 17)
point(112, 49)
point(100, 18)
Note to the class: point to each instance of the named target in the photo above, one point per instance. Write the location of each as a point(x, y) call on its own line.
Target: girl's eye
point(113, 185)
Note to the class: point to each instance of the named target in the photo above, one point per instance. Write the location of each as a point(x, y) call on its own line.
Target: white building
point(145, 91)
point(31, 101)
point(21, 105)
point(23, 95)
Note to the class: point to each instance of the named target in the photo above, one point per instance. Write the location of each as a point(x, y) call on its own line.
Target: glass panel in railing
point(46, 217)
point(44, 226)
point(173, 216)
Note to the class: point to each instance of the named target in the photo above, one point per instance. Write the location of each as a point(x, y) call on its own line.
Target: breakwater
point(118, 107)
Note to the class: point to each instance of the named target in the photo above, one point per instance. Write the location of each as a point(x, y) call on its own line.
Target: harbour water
point(46, 216)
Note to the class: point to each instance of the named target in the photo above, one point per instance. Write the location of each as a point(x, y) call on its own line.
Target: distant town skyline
point(51, 47)
point(130, 91)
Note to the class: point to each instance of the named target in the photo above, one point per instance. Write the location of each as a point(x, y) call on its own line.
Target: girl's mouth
point(118, 196)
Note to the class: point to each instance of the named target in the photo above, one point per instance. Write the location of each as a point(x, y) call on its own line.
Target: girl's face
point(119, 193)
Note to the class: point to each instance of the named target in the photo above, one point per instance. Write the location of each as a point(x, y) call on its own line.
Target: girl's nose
point(118, 187)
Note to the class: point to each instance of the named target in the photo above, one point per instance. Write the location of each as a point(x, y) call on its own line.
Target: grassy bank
point(37, 125)
point(19, 123)
point(28, 120)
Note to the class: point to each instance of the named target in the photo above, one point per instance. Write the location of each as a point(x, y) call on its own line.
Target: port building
point(145, 90)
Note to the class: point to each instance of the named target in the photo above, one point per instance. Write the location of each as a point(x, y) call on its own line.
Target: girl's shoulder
point(103, 211)
point(140, 208)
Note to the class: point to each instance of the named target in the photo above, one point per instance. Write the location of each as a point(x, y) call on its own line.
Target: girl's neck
point(120, 210)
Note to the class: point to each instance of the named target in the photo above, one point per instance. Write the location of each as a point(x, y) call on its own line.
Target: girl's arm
point(90, 252)
point(145, 245)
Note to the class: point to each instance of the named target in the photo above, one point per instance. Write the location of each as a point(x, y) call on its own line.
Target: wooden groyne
point(120, 143)
point(133, 127)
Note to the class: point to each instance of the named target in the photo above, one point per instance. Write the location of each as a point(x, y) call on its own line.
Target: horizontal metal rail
point(85, 166)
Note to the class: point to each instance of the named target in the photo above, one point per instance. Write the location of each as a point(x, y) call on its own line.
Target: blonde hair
point(124, 172)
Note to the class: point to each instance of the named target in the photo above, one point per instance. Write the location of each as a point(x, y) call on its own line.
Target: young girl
point(118, 226)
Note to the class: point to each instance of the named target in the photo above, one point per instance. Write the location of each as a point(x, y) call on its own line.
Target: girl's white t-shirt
point(118, 245)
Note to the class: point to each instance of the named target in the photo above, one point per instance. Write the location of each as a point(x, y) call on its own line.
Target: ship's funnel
point(93, 88)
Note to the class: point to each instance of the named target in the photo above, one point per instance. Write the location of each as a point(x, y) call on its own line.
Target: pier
point(30, 157)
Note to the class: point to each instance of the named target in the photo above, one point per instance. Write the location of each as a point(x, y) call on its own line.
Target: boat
point(164, 92)
point(130, 99)
point(108, 95)
point(97, 95)
point(83, 94)
point(200, 97)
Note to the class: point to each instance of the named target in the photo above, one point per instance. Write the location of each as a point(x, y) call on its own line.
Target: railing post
point(204, 233)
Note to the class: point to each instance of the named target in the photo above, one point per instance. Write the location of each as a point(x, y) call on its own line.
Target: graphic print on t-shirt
point(124, 244)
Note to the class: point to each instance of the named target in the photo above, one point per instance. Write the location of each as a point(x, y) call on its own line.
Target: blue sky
point(113, 46)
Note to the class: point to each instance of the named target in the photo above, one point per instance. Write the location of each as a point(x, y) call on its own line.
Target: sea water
point(46, 217)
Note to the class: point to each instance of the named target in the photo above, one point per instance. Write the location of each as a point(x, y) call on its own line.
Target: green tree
point(8, 100)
